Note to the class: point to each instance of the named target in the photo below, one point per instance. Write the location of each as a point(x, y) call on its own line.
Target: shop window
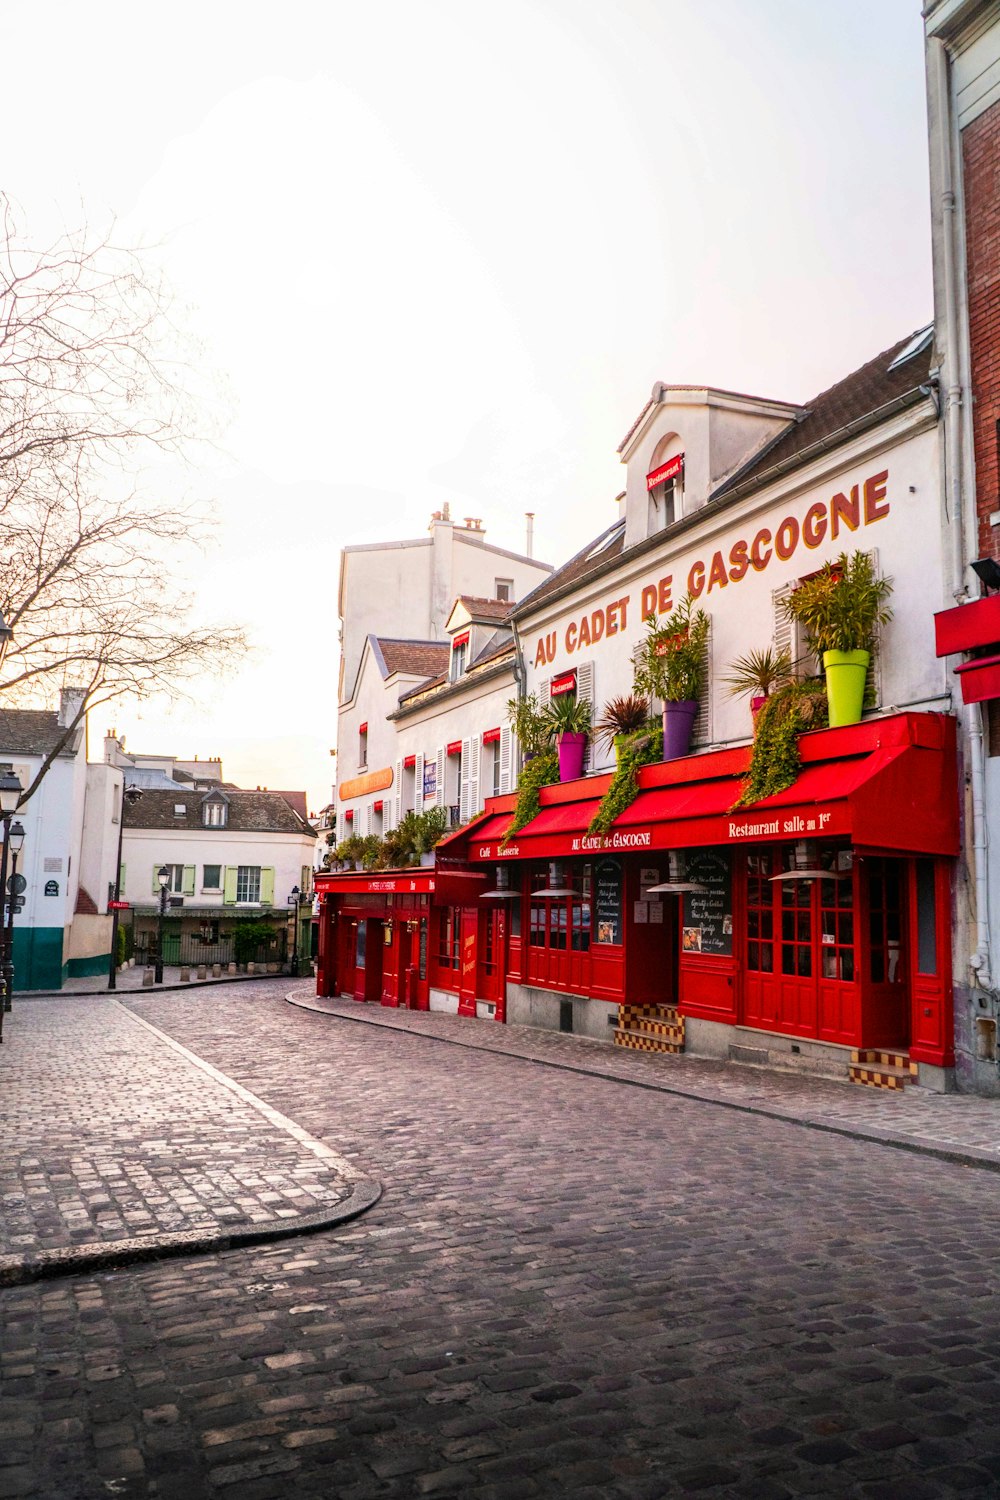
point(926, 918)
point(561, 923)
point(449, 947)
point(760, 914)
point(422, 949)
point(885, 921)
point(360, 944)
point(836, 919)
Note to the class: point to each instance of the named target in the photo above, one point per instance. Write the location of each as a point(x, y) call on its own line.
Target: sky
point(442, 251)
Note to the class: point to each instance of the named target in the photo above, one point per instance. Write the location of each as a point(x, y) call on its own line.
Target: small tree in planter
point(350, 851)
point(568, 718)
point(670, 664)
point(759, 673)
point(530, 725)
point(841, 608)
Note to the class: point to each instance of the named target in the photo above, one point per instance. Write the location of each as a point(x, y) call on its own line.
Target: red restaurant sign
point(666, 471)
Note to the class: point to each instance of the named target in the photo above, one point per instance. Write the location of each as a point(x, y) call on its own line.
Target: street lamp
point(15, 838)
point(293, 901)
point(6, 636)
point(10, 796)
point(131, 795)
point(163, 876)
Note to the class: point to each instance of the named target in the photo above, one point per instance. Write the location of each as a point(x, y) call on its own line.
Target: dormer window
point(214, 812)
point(504, 590)
point(664, 484)
point(459, 656)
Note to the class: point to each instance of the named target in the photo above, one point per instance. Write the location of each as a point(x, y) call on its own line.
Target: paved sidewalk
point(129, 980)
point(120, 1144)
point(953, 1127)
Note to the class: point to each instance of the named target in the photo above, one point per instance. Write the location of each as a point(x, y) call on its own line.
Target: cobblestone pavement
point(569, 1288)
point(112, 1134)
point(959, 1126)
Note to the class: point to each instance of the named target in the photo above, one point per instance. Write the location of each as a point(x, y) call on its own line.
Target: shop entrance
point(886, 980)
point(492, 963)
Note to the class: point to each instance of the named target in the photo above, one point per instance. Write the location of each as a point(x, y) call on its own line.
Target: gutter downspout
point(979, 963)
point(521, 680)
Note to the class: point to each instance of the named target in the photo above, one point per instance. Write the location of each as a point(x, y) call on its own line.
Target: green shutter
point(267, 885)
point(121, 879)
point(229, 891)
point(188, 887)
point(156, 883)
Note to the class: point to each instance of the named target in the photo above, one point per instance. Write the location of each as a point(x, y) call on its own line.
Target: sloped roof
point(491, 658)
point(414, 658)
point(33, 731)
point(864, 396)
point(297, 801)
point(249, 812)
point(486, 609)
point(861, 394)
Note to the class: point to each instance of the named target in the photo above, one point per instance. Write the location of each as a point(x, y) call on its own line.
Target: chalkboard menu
point(608, 900)
point(708, 914)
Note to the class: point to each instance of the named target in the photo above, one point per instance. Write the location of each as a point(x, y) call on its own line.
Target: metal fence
point(190, 949)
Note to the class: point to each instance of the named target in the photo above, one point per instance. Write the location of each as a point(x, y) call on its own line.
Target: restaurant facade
point(814, 928)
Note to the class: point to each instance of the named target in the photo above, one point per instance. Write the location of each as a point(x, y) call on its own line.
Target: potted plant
point(759, 673)
point(670, 664)
point(568, 718)
point(841, 608)
point(530, 725)
point(621, 716)
point(351, 850)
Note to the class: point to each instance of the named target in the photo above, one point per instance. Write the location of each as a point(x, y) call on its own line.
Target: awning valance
point(445, 885)
point(889, 783)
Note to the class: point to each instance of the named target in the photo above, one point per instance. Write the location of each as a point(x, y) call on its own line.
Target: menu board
point(708, 914)
point(608, 900)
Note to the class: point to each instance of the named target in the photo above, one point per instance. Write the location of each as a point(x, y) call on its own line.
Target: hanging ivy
point(541, 770)
point(641, 748)
point(786, 715)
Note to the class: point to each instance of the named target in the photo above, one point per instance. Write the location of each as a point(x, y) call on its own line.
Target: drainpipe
point(979, 963)
point(520, 683)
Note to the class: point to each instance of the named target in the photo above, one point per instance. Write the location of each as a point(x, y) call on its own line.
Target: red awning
point(895, 788)
point(490, 736)
point(447, 886)
point(409, 761)
point(455, 747)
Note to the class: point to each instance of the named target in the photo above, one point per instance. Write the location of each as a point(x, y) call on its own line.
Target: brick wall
point(981, 160)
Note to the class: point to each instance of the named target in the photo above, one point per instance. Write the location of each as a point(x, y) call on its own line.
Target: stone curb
point(964, 1156)
point(140, 989)
point(365, 1192)
point(80, 1259)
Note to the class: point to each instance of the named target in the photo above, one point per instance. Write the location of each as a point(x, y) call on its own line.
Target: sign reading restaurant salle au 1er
point(801, 529)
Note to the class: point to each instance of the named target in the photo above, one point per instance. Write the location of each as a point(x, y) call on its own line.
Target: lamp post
point(131, 795)
point(163, 876)
point(15, 838)
point(293, 902)
point(10, 796)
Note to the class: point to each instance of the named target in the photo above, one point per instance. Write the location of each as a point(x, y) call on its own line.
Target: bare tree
point(90, 556)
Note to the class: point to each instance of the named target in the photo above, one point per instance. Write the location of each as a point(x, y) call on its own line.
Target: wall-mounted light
point(987, 570)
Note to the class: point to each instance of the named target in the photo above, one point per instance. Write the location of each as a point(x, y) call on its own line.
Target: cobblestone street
point(570, 1286)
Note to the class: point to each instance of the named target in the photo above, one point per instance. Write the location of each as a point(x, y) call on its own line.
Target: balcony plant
point(639, 748)
point(541, 770)
point(785, 715)
point(568, 718)
point(350, 851)
point(759, 673)
point(529, 724)
point(670, 664)
point(622, 716)
point(841, 609)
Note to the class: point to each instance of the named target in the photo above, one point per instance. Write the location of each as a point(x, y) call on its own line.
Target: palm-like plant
point(759, 672)
point(568, 714)
point(622, 716)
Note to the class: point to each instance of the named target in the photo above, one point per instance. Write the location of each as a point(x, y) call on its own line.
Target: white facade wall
point(146, 849)
point(743, 612)
point(463, 782)
point(375, 697)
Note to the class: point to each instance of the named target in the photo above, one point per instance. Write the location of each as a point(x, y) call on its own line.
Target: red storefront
point(823, 913)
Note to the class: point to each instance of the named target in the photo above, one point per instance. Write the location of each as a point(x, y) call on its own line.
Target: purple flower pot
point(678, 722)
point(572, 748)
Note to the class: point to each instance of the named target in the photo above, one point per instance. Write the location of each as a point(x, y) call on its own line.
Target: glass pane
point(878, 966)
point(926, 918)
point(359, 949)
point(805, 962)
point(847, 965)
point(787, 959)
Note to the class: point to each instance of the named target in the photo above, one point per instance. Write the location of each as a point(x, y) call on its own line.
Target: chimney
point(529, 516)
point(70, 700)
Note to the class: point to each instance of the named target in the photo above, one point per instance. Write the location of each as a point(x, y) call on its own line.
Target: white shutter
point(585, 693)
point(442, 766)
point(506, 766)
point(370, 818)
point(397, 801)
point(418, 784)
point(543, 692)
point(784, 629)
point(464, 789)
point(701, 733)
point(475, 801)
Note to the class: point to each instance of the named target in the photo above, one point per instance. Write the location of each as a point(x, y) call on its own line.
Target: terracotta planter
point(678, 722)
point(572, 748)
point(845, 685)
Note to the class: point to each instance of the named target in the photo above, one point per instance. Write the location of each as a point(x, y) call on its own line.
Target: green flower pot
point(846, 672)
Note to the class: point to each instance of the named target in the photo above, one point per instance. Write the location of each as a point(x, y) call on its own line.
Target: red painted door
point(885, 983)
point(492, 958)
point(468, 948)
